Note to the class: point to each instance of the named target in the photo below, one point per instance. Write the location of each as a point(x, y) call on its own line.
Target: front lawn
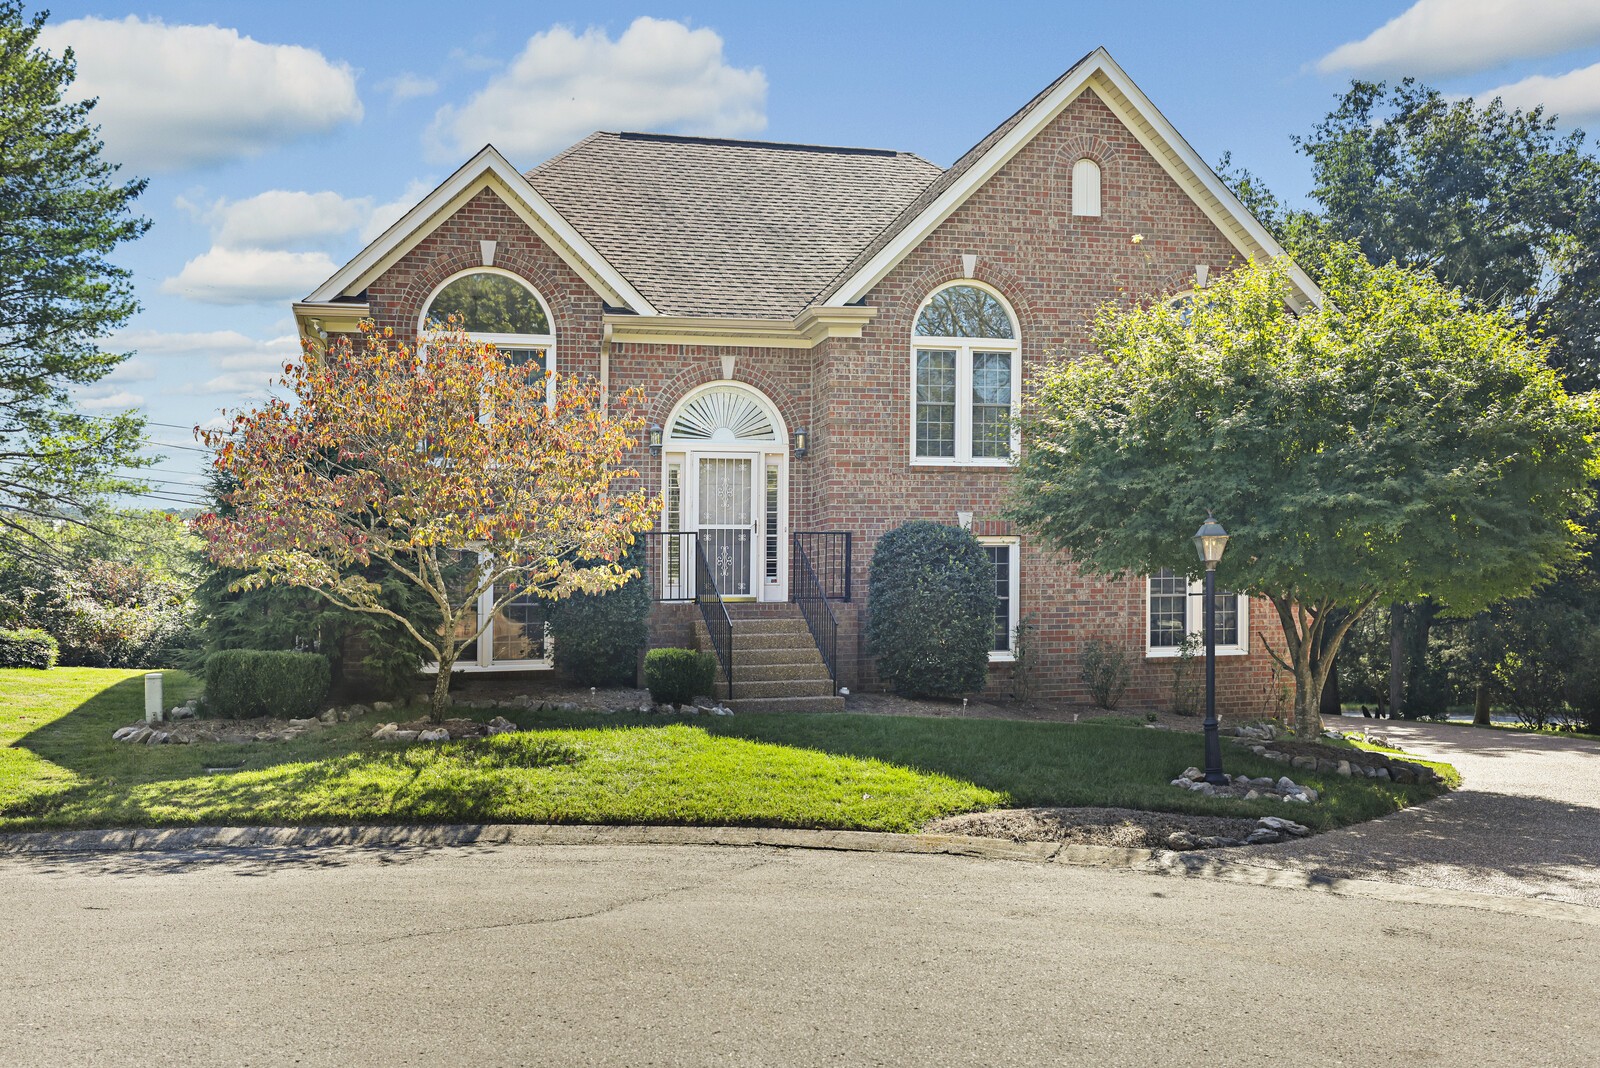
point(887, 773)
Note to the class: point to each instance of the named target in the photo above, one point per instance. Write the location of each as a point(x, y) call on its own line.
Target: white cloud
point(408, 86)
point(658, 75)
point(1436, 38)
point(275, 245)
point(185, 96)
point(249, 276)
point(132, 370)
point(211, 362)
point(285, 219)
point(106, 398)
point(1574, 96)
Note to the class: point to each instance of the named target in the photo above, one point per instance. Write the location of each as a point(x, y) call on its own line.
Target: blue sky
point(278, 137)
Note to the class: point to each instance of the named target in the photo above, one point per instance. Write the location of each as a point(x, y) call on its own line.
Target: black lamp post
point(1209, 541)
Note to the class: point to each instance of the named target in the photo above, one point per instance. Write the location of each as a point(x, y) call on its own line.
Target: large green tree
point(1496, 202)
point(63, 211)
point(1396, 444)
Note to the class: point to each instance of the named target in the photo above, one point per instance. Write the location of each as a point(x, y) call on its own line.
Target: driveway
point(694, 955)
point(1526, 821)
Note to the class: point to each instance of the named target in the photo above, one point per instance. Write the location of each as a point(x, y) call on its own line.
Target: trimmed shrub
point(259, 682)
point(931, 604)
point(678, 676)
point(598, 637)
point(30, 648)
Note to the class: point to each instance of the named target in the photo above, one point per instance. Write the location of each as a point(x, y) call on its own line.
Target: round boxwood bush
point(678, 676)
point(598, 637)
point(931, 607)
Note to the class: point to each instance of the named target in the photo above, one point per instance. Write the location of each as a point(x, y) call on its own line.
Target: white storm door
point(726, 511)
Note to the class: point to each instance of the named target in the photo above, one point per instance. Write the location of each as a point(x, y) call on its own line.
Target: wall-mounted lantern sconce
point(802, 441)
point(655, 440)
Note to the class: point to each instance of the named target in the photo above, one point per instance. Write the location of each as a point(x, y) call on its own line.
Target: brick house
point(831, 340)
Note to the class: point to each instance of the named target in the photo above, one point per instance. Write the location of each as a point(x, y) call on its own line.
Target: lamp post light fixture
point(655, 439)
point(1209, 541)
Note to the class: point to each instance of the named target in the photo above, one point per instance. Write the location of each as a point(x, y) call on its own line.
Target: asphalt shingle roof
point(713, 227)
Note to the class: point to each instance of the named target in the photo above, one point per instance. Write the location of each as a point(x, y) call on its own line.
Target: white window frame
point(1008, 655)
point(485, 662)
point(1195, 607)
point(547, 342)
point(964, 348)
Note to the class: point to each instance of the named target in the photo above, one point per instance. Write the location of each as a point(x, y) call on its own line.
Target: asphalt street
point(690, 955)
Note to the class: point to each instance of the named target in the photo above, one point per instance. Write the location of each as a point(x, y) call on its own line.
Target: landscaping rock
point(1183, 840)
point(304, 724)
point(1193, 774)
point(388, 730)
point(361, 710)
point(157, 738)
point(182, 712)
point(431, 736)
point(1343, 768)
point(1303, 762)
point(500, 725)
point(122, 734)
point(329, 717)
point(403, 736)
point(1289, 827)
point(1264, 836)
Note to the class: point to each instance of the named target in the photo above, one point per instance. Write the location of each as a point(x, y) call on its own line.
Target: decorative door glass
point(727, 521)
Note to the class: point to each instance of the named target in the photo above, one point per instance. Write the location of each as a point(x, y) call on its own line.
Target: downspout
point(605, 369)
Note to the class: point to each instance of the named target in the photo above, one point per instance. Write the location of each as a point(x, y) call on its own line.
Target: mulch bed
point(1124, 827)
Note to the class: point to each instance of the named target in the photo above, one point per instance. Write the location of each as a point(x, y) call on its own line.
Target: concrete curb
point(1146, 861)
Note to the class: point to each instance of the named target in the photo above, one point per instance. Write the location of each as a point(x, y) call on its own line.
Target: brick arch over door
point(692, 377)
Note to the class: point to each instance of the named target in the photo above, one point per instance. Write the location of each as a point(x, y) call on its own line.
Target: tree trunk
point(1480, 710)
point(440, 701)
point(1397, 658)
point(1332, 706)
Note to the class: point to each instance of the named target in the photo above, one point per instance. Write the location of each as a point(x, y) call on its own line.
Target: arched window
point(496, 306)
point(966, 379)
point(1086, 187)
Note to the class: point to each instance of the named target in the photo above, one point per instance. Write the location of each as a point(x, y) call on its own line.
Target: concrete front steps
point(776, 665)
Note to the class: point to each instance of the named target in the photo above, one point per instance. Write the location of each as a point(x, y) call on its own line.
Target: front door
point(728, 518)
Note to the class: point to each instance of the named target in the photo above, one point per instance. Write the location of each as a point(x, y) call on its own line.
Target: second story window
point(497, 306)
point(966, 380)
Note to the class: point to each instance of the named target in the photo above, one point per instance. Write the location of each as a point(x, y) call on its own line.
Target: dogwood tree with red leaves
point(464, 471)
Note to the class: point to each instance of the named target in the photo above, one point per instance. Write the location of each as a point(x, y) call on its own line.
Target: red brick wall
point(1054, 268)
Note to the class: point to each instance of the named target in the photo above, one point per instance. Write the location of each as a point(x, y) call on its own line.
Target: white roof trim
point(485, 169)
point(1159, 137)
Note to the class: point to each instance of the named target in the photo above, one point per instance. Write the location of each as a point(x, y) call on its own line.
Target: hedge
point(245, 683)
point(29, 648)
point(598, 637)
point(678, 676)
point(931, 610)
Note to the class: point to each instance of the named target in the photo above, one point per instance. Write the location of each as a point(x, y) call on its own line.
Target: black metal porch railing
point(807, 592)
point(669, 564)
point(718, 623)
point(829, 554)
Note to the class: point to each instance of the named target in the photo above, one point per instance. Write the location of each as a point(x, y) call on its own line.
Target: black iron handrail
point(829, 554)
point(669, 564)
point(719, 625)
point(807, 591)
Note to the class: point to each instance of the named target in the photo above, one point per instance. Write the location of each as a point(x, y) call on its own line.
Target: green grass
point(1446, 772)
point(60, 769)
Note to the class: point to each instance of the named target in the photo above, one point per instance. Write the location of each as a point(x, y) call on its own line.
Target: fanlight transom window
point(724, 415)
point(965, 311)
point(490, 303)
point(498, 307)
